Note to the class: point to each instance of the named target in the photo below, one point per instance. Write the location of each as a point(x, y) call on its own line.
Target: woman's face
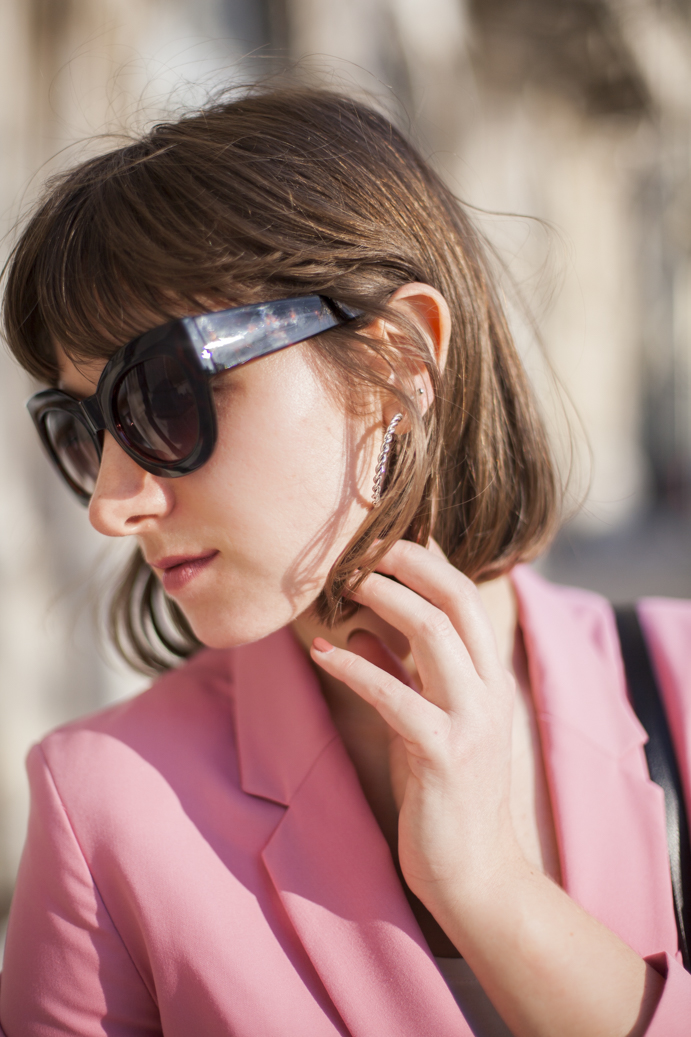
point(244, 544)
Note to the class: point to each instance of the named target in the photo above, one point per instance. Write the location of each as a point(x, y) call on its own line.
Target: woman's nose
point(127, 499)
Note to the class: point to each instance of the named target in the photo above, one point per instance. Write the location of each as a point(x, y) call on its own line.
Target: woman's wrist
point(478, 897)
point(547, 965)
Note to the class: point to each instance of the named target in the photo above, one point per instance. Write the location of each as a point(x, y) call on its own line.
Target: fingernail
point(320, 645)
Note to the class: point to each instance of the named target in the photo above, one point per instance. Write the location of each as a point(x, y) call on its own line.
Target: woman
point(263, 309)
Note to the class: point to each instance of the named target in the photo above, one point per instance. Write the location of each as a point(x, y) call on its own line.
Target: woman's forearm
point(548, 967)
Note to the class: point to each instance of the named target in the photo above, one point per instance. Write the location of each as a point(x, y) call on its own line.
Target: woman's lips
point(178, 570)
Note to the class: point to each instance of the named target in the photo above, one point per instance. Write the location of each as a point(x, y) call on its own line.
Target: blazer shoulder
point(667, 626)
point(531, 584)
point(570, 619)
point(669, 618)
point(182, 711)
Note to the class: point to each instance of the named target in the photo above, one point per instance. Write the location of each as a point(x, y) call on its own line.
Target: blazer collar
point(575, 663)
point(609, 817)
point(283, 722)
point(327, 858)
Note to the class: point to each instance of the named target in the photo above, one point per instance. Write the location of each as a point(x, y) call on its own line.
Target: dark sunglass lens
point(74, 449)
point(156, 410)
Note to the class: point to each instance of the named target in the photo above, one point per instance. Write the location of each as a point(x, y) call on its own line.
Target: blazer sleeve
point(673, 1012)
point(66, 968)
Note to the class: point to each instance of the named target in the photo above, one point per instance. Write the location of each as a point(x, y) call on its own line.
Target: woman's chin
point(229, 627)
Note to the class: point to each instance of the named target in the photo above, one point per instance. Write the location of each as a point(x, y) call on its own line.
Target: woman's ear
point(429, 310)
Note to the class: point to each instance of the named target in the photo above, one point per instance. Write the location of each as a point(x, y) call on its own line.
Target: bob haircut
point(283, 192)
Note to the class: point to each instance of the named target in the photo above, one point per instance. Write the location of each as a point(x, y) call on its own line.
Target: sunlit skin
point(281, 496)
point(452, 766)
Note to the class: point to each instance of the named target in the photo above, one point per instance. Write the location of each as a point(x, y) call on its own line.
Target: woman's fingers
point(405, 711)
point(434, 548)
point(431, 576)
point(441, 659)
point(440, 613)
point(372, 648)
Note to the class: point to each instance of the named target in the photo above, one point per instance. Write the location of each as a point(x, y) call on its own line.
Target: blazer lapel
point(609, 816)
point(327, 857)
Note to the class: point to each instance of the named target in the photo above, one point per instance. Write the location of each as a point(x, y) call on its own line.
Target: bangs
point(204, 212)
point(108, 256)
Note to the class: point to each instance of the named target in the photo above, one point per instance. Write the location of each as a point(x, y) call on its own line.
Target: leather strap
point(646, 700)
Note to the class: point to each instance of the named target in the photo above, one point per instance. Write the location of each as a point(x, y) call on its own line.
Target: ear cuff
point(383, 460)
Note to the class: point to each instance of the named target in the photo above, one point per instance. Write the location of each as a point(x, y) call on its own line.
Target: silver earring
point(383, 460)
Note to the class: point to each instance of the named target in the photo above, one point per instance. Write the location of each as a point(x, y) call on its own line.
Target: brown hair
point(286, 192)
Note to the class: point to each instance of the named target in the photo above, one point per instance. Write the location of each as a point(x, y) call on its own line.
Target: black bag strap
point(644, 693)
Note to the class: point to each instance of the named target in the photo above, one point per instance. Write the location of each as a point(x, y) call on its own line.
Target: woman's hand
point(453, 751)
point(548, 967)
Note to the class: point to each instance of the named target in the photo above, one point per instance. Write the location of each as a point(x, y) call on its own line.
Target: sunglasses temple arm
point(229, 338)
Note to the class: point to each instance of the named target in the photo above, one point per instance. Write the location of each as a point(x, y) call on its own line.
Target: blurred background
point(566, 123)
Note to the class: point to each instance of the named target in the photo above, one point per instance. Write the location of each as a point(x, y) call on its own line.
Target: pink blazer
point(201, 859)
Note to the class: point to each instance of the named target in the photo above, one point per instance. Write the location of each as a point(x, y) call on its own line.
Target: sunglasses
point(154, 395)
